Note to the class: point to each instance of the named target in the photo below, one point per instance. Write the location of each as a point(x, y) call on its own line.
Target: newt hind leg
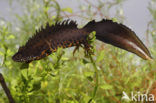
point(88, 48)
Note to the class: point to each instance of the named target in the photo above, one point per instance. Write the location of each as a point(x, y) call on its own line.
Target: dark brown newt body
point(66, 34)
point(48, 40)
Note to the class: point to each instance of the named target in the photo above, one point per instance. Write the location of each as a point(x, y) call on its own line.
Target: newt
point(66, 34)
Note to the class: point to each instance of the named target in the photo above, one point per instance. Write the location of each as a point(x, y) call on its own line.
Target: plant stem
point(6, 89)
point(96, 76)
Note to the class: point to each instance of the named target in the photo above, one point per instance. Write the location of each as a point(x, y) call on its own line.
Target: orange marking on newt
point(65, 42)
point(43, 52)
point(54, 50)
point(70, 45)
point(64, 45)
point(47, 54)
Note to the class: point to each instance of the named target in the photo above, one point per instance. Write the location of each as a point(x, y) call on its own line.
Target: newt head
point(23, 55)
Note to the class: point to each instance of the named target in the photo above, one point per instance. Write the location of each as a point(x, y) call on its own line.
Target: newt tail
point(66, 34)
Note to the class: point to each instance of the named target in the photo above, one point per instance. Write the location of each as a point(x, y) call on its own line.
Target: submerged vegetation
point(64, 78)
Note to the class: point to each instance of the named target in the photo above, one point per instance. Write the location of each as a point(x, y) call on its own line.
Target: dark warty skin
point(66, 34)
